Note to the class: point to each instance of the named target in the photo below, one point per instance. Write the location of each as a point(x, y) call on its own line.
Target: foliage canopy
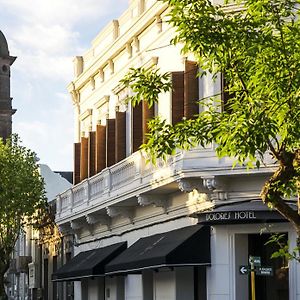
point(22, 195)
point(255, 44)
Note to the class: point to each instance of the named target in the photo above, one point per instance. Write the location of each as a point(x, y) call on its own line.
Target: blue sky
point(45, 35)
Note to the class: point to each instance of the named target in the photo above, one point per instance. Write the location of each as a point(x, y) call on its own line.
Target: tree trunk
point(271, 194)
point(4, 265)
point(3, 295)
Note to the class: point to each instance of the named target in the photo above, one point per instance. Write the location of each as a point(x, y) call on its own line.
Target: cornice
point(102, 101)
point(147, 18)
point(85, 114)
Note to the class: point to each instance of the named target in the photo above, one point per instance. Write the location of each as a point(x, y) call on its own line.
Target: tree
point(22, 195)
point(257, 50)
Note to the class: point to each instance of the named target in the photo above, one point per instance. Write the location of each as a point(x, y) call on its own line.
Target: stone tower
point(6, 110)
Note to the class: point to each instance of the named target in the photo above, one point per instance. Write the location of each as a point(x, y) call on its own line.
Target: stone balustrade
point(132, 177)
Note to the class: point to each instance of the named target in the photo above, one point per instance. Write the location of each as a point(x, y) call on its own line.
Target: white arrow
point(243, 270)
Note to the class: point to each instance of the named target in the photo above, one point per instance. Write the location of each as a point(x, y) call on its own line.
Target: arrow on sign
point(244, 270)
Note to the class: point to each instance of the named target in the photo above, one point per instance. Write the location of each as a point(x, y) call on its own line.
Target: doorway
point(275, 287)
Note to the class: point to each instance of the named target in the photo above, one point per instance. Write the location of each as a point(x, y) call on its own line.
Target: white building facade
point(136, 225)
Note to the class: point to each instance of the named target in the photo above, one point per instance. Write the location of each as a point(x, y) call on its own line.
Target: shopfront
point(240, 231)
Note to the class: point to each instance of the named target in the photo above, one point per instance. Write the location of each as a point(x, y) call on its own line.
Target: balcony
point(127, 182)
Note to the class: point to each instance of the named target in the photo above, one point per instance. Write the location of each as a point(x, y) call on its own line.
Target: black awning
point(89, 263)
point(188, 246)
point(254, 211)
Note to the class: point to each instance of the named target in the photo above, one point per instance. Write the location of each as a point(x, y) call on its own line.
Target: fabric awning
point(89, 263)
point(188, 246)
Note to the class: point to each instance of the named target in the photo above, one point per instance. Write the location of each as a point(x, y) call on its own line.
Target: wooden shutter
point(84, 159)
point(148, 114)
point(100, 148)
point(110, 142)
point(191, 90)
point(92, 153)
point(177, 96)
point(76, 174)
point(120, 136)
point(137, 126)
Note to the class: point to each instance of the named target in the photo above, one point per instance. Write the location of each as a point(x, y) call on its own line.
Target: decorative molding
point(198, 198)
point(111, 66)
point(141, 7)
point(136, 44)
point(140, 24)
point(129, 49)
point(187, 185)
point(155, 200)
point(102, 101)
point(86, 114)
point(92, 219)
point(217, 188)
point(78, 65)
point(76, 224)
point(116, 90)
point(153, 61)
point(213, 183)
point(116, 29)
point(101, 74)
point(158, 21)
point(92, 82)
point(74, 94)
point(220, 196)
point(124, 211)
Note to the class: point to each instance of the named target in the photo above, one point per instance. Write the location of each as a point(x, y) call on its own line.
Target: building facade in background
point(40, 251)
point(180, 229)
point(6, 111)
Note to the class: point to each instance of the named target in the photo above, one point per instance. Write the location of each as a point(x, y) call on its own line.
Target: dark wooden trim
point(120, 142)
point(177, 96)
point(76, 174)
point(137, 126)
point(191, 90)
point(84, 158)
point(100, 162)
point(92, 154)
point(148, 114)
point(110, 142)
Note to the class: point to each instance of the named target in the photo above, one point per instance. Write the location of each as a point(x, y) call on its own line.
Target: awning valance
point(89, 263)
point(253, 211)
point(188, 246)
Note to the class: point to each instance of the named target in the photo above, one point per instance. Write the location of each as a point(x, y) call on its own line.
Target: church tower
point(6, 110)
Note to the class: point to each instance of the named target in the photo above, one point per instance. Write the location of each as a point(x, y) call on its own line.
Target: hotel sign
point(240, 216)
point(230, 216)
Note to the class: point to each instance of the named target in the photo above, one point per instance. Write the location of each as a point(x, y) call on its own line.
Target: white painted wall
point(114, 288)
point(218, 275)
point(96, 289)
point(164, 285)
point(54, 182)
point(133, 287)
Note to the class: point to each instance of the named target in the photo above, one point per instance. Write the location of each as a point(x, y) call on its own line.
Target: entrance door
point(274, 287)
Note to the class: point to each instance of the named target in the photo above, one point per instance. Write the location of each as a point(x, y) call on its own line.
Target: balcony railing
point(134, 176)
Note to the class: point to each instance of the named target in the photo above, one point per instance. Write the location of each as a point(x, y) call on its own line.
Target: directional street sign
point(264, 271)
point(255, 260)
point(244, 270)
point(261, 271)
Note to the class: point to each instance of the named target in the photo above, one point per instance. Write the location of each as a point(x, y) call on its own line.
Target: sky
point(45, 35)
